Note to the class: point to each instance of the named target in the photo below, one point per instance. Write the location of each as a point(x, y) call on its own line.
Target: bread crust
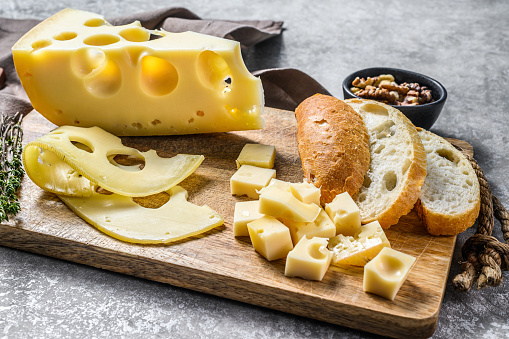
point(437, 222)
point(409, 185)
point(333, 145)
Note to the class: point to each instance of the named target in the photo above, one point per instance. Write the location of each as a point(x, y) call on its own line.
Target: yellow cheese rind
point(386, 273)
point(309, 259)
point(359, 249)
point(79, 70)
point(53, 159)
point(123, 219)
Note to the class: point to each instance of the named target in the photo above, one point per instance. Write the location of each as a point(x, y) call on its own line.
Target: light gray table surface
point(463, 44)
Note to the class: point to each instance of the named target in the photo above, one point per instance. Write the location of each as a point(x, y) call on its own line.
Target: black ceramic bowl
point(421, 115)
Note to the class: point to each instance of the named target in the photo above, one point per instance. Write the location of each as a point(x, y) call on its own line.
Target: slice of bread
point(450, 197)
point(397, 171)
point(333, 145)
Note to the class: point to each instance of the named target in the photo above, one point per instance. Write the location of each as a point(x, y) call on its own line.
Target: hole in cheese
point(103, 191)
point(82, 146)
point(391, 180)
point(390, 267)
point(315, 252)
point(105, 81)
point(135, 34)
point(158, 76)
point(85, 60)
point(37, 45)
point(155, 36)
point(152, 201)
point(101, 40)
point(127, 162)
point(214, 72)
point(65, 36)
point(95, 22)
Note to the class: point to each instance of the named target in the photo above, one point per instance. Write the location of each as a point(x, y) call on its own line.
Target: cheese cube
point(310, 259)
point(249, 179)
point(257, 155)
point(79, 70)
point(361, 248)
point(270, 237)
point(283, 185)
point(385, 274)
point(322, 227)
point(306, 192)
point(245, 212)
point(345, 214)
point(282, 204)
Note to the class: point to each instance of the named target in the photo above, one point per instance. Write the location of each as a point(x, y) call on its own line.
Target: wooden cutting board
point(220, 264)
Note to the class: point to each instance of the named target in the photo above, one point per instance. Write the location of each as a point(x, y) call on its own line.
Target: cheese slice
point(77, 69)
point(74, 161)
point(123, 219)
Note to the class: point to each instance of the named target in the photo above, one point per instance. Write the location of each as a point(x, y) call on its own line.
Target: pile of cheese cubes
point(287, 221)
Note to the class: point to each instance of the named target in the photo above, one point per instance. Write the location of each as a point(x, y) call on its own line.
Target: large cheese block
point(77, 69)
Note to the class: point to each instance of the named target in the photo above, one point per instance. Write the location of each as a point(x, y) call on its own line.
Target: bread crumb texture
point(398, 164)
point(450, 197)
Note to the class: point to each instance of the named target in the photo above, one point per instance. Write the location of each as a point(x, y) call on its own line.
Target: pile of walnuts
point(384, 88)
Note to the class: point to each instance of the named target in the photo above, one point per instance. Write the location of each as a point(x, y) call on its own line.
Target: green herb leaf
point(11, 167)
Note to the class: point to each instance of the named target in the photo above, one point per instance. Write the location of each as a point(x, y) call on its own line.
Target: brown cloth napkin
point(284, 88)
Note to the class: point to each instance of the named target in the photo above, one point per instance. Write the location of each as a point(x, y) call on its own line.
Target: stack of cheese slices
point(407, 166)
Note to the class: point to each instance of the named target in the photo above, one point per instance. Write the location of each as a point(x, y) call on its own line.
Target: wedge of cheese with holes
point(77, 69)
point(75, 161)
point(123, 219)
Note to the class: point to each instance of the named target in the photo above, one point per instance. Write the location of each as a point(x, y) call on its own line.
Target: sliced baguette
point(450, 197)
point(397, 171)
point(333, 145)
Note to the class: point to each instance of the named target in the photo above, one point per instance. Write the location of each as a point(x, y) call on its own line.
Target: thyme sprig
point(11, 168)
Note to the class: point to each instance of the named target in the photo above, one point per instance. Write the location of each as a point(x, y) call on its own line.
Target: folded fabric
point(284, 88)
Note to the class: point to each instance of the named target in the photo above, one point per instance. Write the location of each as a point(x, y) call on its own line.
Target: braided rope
point(485, 255)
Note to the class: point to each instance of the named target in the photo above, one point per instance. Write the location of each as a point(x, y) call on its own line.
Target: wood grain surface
point(218, 263)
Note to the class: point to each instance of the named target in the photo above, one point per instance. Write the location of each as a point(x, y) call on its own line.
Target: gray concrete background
point(463, 44)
